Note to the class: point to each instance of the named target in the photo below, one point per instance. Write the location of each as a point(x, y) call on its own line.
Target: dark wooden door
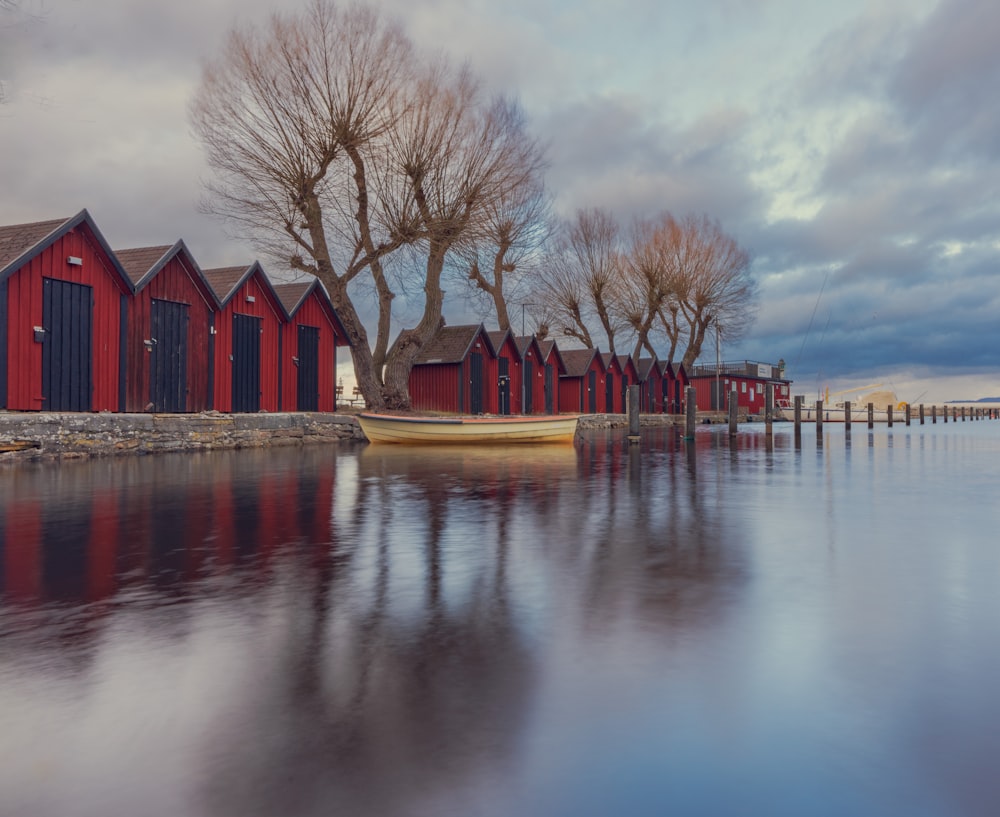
point(246, 363)
point(592, 392)
point(475, 383)
point(609, 394)
point(503, 386)
point(550, 388)
point(528, 386)
point(307, 363)
point(168, 356)
point(67, 343)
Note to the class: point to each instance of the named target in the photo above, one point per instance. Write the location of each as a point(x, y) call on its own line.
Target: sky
point(853, 148)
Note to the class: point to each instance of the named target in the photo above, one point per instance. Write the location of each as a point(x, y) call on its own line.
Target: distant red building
point(582, 386)
point(170, 357)
point(309, 348)
point(509, 373)
point(747, 378)
point(247, 340)
point(650, 385)
point(614, 399)
point(64, 301)
point(456, 372)
point(675, 382)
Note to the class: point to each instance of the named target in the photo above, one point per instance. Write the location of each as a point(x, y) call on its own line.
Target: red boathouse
point(64, 301)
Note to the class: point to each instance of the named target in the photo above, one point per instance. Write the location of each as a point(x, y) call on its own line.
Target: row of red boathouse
point(87, 328)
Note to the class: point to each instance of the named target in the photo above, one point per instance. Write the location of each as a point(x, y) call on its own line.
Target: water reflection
point(606, 628)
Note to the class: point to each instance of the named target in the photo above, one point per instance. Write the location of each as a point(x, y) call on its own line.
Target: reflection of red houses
point(64, 301)
point(170, 329)
point(581, 388)
point(309, 348)
point(247, 340)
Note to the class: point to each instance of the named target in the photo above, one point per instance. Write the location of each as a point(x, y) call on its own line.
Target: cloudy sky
point(852, 147)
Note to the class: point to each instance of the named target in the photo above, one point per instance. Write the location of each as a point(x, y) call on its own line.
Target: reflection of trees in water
point(386, 692)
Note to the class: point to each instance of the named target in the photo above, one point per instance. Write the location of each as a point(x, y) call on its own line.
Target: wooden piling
point(933, 415)
point(633, 415)
point(733, 411)
point(871, 416)
point(888, 414)
point(921, 414)
point(769, 409)
point(819, 417)
point(847, 415)
point(691, 408)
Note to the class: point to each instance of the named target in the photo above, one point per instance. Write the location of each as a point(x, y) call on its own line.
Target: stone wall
point(38, 436)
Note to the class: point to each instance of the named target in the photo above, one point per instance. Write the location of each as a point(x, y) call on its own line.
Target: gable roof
point(19, 243)
point(452, 344)
point(547, 348)
point(143, 264)
point(609, 359)
point(227, 281)
point(499, 337)
point(295, 294)
point(647, 365)
point(578, 361)
point(626, 362)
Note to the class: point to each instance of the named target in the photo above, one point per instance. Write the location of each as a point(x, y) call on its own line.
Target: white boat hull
point(390, 428)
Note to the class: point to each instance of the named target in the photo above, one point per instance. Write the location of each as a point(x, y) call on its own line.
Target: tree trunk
point(404, 351)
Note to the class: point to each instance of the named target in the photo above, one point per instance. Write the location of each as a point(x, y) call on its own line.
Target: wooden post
point(769, 408)
point(847, 415)
point(934, 415)
point(888, 414)
point(963, 414)
point(691, 408)
point(945, 409)
point(819, 417)
point(871, 415)
point(906, 409)
point(921, 414)
point(797, 414)
point(733, 411)
point(633, 415)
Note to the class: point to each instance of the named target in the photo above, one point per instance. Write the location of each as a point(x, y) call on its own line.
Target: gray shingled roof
point(291, 294)
point(577, 361)
point(224, 279)
point(17, 239)
point(449, 345)
point(140, 260)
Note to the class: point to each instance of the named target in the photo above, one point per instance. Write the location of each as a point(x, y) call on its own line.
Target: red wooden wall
point(24, 312)
point(175, 282)
point(311, 312)
point(265, 307)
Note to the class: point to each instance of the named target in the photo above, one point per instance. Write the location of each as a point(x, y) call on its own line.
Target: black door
point(609, 394)
point(67, 321)
point(550, 388)
point(475, 383)
point(528, 386)
point(307, 389)
point(625, 385)
point(503, 386)
point(168, 322)
point(592, 392)
point(246, 362)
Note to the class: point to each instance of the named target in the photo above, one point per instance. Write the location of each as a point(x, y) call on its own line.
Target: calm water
point(784, 629)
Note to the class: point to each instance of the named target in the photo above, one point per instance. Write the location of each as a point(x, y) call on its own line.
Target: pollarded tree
point(333, 146)
point(713, 284)
point(514, 227)
point(581, 277)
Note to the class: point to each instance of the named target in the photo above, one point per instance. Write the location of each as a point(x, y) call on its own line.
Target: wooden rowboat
point(392, 428)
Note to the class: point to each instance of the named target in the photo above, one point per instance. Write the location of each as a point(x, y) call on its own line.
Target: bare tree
point(649, 281)
point(514, 227)
point(461, 159)
point(581, 276)
point(714, 285)
point(333, 146)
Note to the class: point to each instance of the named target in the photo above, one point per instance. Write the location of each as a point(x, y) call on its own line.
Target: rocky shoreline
point(49, 436)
